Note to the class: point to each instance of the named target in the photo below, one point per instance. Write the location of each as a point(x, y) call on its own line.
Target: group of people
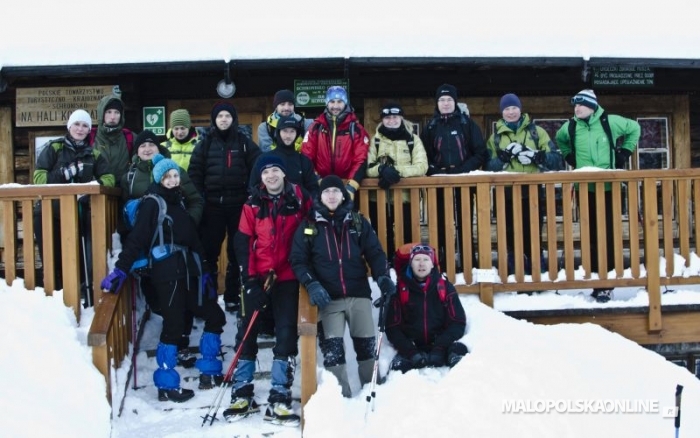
point(291, 219)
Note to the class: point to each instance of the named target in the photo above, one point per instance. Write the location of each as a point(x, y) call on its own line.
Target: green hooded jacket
point(111, 140)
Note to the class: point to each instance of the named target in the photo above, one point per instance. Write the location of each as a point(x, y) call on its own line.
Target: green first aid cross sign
point(154, 119)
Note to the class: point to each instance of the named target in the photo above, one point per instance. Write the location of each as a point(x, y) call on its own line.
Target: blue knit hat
point(161, 166)
point(337, 92)
point(268, 160)
point(510, 99)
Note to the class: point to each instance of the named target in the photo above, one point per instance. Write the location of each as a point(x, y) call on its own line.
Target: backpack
point(606, 127)
point(402, 258)
point(531, 127)
point(160, 251)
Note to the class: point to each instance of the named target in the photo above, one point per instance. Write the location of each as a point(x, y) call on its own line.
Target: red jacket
point(266, 231)
point(332, 150)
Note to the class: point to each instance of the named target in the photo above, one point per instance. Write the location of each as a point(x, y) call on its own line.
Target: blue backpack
point(157, 252)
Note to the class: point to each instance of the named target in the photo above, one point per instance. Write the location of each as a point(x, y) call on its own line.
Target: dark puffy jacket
point(264, 238)
point(60, 153)
point(424, 321)
point(454, 144)
point(336, 255)
point(136, 181)
point(220, 166)
point(112, 141)
point(182, 232)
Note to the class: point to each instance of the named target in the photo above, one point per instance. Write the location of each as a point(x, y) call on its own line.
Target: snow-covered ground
point(50, 388)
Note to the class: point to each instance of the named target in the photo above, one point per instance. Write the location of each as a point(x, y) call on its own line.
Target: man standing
point(283, 102)
point(220, 168)
point(110, 137)
point(181, 138)
point(337, 143)
point(589, 139)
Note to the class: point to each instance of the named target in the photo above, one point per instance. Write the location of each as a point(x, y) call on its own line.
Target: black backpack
point(608, 132)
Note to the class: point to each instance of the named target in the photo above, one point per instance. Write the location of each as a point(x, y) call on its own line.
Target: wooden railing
point(659, 218)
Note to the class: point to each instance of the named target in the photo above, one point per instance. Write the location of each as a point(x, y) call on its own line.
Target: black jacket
point(221, 164)
point(182, 232)
point(454, 144)
point(424, 321)
point(335, 255)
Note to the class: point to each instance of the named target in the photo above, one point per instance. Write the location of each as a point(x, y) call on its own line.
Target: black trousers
point(510, 219)
point(177, 296)
point(596, 236)
point(218, 221)
point(284, 302)
point(459, 223)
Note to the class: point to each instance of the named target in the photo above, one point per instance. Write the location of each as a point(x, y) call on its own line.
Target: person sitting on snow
point(425, 318)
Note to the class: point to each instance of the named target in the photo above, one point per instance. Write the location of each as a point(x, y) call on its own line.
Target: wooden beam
point(7, 171)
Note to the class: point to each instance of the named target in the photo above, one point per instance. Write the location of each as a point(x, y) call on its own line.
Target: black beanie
point(333, 181)
point(391, 109)
point(446, 90)
point(115, 104)
point(283, 96)
point(289, 122)
point(222, 106)
point(145, 136)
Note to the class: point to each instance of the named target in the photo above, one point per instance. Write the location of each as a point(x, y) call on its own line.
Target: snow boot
point(178, 395)
point(602, 295)
point(207, 381)
point(209, 365)
point(166, 379)
point(185, 358)
point(240, 408)
point(281, 413)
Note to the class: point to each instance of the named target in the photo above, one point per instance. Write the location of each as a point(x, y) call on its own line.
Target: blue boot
point(166, 379)
point(209, 366)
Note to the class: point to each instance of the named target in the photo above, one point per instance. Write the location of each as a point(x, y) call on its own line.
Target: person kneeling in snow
point(180, 279)
point(425, 319)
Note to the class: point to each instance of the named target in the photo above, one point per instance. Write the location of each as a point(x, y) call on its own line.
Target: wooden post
point(308, 318)
point(651, 254)
point(70, 257)
point(7, 164)
point(9, 228)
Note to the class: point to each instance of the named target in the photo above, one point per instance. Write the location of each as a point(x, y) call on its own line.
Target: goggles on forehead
point(578, 99)
point(392, 111)
point(422, 248)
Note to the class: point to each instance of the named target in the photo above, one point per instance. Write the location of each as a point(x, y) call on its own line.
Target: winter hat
point(222, 106)
point(337, 92)
point(391, 109)
point(424, 249)
point(288, 122)
point(446, 90)
point(510, 99)
point(586, 98)
point(268, 160)
point(145, 136)
point(79, 115)
point(115, 104)
point(333, 181)
point(161, 166)
point(283, 96)
point(180, 117)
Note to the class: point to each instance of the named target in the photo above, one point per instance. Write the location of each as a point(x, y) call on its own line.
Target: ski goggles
point(422, 249)
point(583, 100)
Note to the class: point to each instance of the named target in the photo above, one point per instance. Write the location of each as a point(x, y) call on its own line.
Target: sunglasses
point(422, 248)
point(392, 111)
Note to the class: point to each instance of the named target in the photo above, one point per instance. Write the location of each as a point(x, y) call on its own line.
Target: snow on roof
point(78, 32)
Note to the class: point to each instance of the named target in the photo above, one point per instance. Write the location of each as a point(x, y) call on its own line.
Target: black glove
point(571, 159)
point(255, 296)
point(530, 156)
point(387, 286)
point(621, 157)
point(504, 155)
point(436, 358)
point(419, 359)
point(318, 295)
point(389, 173)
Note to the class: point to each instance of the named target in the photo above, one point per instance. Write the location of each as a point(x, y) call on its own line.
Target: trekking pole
point(679, 392)
point(214, 408)
point(134, 335)
point(87, 285)
point(382, 302)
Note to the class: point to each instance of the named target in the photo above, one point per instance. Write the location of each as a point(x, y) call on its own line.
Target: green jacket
point(522, 135)
point(181, 152)
point(60, 153)
point(111, 141)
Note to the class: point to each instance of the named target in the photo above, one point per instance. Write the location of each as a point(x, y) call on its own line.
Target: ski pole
point(382, 302)
point(134, 335)
point(679, 392)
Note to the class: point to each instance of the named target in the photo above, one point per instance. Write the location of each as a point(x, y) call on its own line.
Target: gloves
point(114, 281)
point(530, 156)
point(318, 295)
point(255, 296)
point(453, 358)
point(571, 159)
point(514, 148)
point(208, 286)
point(504, 155)
point(387, 286)
point(419, 359)
point(621, 157)
point(388, 175)
point(71, 170)
point(436, 358)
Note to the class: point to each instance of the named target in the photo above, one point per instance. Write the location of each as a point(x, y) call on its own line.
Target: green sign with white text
point(312, 92)
point(154, 119)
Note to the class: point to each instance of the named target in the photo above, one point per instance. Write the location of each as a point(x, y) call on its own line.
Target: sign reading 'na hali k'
point(52, 106)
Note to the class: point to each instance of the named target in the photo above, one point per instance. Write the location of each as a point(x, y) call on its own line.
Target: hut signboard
point(52, 106)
